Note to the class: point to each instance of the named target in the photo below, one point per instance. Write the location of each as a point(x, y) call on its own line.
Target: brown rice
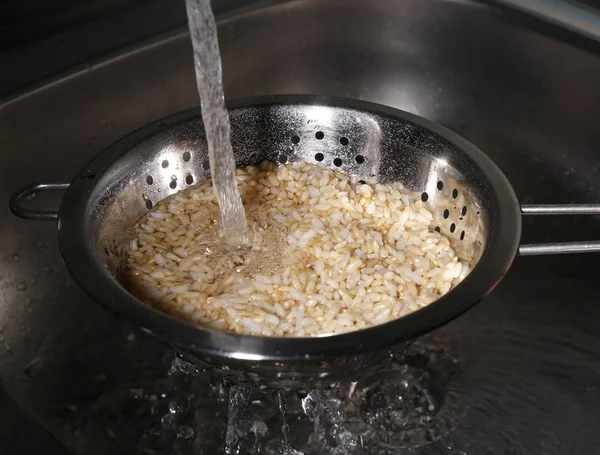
point(327, 255)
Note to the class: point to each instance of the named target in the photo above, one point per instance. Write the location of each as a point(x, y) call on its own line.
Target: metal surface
point(564, 247)
point(528, 356)
point(471, 201)
point(19, 199)
point(571, 15)
point(21, 433)
point(559, 248)
point(561, 209)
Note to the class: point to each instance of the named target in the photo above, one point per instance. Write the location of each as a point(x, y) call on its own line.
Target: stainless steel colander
point(472, 202)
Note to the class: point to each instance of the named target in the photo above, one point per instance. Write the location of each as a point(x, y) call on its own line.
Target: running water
point(209, 77)
point(238, 401)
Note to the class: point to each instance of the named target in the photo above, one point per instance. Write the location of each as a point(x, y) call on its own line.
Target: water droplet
point(185, 432)
point(21, 286)
point(174, 407)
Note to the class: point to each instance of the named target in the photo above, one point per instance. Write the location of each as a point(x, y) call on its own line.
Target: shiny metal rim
point(77, 249)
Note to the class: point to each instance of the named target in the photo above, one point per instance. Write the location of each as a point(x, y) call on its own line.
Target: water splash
point(400, 409)
point(286, 448)
point(238, 401)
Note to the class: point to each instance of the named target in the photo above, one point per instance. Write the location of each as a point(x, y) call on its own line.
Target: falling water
point(238, 400)
point(209, 77)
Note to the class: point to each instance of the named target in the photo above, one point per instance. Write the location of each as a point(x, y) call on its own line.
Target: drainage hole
point(344, 140)
point(319, 135)
point(319, 157)
point(187, 156)
point(359, 159)
point(337, 162)
point(189, 179)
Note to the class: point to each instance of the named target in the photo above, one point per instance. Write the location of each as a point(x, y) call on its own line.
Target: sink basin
point(528, 357)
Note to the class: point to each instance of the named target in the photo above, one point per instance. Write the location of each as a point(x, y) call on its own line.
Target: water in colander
point(207, 63)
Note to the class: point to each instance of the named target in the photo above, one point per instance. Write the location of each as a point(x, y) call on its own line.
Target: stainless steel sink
point(528, 356)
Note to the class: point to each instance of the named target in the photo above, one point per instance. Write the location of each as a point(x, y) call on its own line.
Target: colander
point(471, 200)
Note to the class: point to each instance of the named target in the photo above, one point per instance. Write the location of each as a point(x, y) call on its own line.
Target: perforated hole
point(189, 179)
point(359, 159)
point(295, 139)
point(464, 210)
point(319, 135)
point(337, 162)
point(440, 185)
point(206, 165)
point(165, 164)
point(455, 193)
point(148, 204)
point(462, 235)
point(187, 156)
point(149, 180)
point(452, 227)
point(424, 197)
point(173, 184)
point(283, 158)
point(446, 214)
point(344, 140)
point(437, 229)
point(319, 157)
point(362, 182)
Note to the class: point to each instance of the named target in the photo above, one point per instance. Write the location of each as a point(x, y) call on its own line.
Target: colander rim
point(79, 255)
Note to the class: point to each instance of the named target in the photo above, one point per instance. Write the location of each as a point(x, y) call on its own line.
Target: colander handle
point(539, 249)
point(29, 192)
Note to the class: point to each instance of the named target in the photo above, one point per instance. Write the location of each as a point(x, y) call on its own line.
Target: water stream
point(209, 78)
